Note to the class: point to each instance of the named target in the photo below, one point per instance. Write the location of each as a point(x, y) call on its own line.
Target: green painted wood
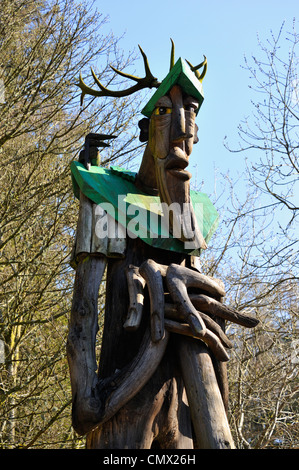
point(129, 206)
point(181, 75)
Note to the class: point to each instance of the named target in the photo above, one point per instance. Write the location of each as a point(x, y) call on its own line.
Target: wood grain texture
point(207, 409)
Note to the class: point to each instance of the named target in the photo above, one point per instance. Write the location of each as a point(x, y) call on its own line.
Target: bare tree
point(265, 371)
point(263, 367)
point(272, 129)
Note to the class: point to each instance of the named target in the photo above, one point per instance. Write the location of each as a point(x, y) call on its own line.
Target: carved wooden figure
point(161, 380)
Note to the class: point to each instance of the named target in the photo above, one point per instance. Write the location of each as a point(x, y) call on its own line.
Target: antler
point(203, 64)
point(172, 54)
point(149, 81)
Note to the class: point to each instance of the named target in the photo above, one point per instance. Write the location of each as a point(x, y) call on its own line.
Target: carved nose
point(181, 138)
point(178, 133)
point(178, 119)
point(178, 128)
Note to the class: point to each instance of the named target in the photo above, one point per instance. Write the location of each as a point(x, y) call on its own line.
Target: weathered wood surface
point(83, 327)
point(97, 233)
point(172, 313)
point(208, 304)
point(177, 285)
point(207, 409)
point(94, 400)
point(136, 284)
point(84, 226)
point(116, 239)
point(209, 338)
point(99, 244)
point(133, 368)
point(157, 417)
point(129, 382)
point(152, 275)
point(157, 410)
point(138, 370)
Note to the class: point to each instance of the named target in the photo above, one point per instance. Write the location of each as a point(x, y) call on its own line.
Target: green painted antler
point(172, 54)
point(149, 81)
point(203, 64)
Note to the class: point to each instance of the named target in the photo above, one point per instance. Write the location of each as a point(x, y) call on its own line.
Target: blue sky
point(224, 31)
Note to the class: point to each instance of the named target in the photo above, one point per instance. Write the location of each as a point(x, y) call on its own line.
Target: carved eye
point(190, 107)
point(160, 110)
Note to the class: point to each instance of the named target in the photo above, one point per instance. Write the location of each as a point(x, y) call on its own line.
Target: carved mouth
point(179, 173)
point(176, 166)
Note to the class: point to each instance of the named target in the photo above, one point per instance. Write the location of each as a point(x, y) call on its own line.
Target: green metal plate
point(130, 206)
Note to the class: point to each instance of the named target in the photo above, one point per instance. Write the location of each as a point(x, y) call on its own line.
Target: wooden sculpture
point(161, 380)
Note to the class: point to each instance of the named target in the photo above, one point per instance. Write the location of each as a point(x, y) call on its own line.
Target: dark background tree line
point(43, 47)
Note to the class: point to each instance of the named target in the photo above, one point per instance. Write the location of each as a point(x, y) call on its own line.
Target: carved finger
point(172, 314)
point(209, 338)
point(136, 284)
point(162, 268)
point(177, 286)
point(193, 278)
point(213, 307)
point(152, 275)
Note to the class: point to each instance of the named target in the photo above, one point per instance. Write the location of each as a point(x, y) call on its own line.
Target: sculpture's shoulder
point(101, 184)
point(140, 214)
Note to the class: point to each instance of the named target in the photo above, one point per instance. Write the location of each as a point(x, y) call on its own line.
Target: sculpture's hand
point(199, 308)
point(84, 158)
point(91, 149)
point(180, 311)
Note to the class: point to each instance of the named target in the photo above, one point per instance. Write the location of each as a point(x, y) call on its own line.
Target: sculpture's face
point(172, 134)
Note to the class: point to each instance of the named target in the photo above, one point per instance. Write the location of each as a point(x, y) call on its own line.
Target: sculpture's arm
point(96, 400)
point(81, 341)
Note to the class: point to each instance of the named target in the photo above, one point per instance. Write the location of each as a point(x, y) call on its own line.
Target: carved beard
point(172, 133)
point(173, 179)
point(174, 187)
